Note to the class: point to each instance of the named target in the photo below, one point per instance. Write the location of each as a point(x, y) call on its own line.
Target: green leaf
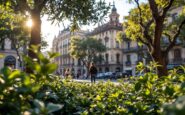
point(50, 68)
point(137, 86)
point(51, 107)
point(169, 90)
point(6, 71)
point(14, 74)
point(39, 104)
point(147, 92)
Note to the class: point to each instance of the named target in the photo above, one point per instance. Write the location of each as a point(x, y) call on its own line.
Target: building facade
point(119, 57)
point(9, 55)
point(106, 33)
point(61, 44)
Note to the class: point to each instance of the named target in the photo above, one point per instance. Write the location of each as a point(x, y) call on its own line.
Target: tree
point(77, 11)
point(149, 23)
point(86, 50)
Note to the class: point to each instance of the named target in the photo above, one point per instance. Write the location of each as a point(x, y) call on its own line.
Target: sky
point(50, 30)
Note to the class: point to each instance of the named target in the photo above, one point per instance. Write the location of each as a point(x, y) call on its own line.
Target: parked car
point(110, 75)
point(122, 75)
point(100, 75)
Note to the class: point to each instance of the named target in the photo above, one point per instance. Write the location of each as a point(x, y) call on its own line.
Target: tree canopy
point(151, 22)
point(86, 49)
point(77, 11)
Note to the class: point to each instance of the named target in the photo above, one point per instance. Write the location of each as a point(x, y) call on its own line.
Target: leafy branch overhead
point(77, 11)
point(152, 22)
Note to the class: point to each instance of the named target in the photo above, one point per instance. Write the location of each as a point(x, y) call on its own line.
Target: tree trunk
point(35, 36)
point(35, 32)
point(161, 60)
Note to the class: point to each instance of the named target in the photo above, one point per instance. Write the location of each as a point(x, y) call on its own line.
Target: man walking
point(93, 71)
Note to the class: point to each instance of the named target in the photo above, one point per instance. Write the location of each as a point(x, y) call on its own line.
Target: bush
point(44, 93)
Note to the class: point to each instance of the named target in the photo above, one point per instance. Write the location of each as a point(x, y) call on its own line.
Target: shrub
point(44, 93)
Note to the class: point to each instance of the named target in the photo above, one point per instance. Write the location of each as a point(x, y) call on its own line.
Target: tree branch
point(168, 36)
point(168, 6)
point(154, 9)
point(145, 43)
point(140, 13)
point(144, 28)
point(175, 37)
point(23, 5)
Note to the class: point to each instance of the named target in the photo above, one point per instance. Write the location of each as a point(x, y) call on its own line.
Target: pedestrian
point(78, 74)
point(67, 73)
point(93, 71)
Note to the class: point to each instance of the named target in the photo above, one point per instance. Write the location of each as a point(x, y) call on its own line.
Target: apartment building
point(61, 44)
point(9, 55)
point(106, 34)
point(119, 57)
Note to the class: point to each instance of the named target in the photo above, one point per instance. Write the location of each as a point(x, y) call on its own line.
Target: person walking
point(67, 73)
point(93, 71)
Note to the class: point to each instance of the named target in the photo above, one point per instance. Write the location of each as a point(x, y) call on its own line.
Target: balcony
point(133, 49)
point(176, 61)
point(128, 63)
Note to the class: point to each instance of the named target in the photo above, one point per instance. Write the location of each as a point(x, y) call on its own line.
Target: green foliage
point(77, 12)
point(86, 49)
point(18, 90)
point(44, 93)
point(134, 28)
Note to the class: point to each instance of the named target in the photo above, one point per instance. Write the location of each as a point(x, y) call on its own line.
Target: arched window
point(10, 61)
point(118, 58)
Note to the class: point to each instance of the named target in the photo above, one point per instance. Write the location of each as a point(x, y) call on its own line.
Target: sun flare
point(29, 23)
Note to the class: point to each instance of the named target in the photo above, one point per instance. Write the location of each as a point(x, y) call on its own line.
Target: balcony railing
point(177, 61)
point(133, 49)
point(128, 63)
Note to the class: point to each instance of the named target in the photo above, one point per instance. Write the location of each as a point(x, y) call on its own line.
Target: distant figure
point(67, 73)
point(93, 71)
point(78, 74)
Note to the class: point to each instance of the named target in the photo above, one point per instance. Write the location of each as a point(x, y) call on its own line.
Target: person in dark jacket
point(93, 71)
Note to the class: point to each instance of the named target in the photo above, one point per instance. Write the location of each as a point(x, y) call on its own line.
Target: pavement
point(97, 80)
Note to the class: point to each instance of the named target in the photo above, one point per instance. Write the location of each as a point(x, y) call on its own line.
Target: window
point(10, 61)
point(100, 58)
point(106, 40)
point(100, 70)
point(128, 45)
point(2, 45)
point(79, 62)
point(128, 58)
point(139, 57)
point(106, 57)
point(106, 69)
point(117, 44)
point(118, 58)
point(177, 53)
point(174, 16)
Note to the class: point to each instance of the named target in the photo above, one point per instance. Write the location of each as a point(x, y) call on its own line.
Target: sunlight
point(29, 23)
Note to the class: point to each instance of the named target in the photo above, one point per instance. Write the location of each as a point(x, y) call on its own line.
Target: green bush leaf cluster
point(41, 92)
